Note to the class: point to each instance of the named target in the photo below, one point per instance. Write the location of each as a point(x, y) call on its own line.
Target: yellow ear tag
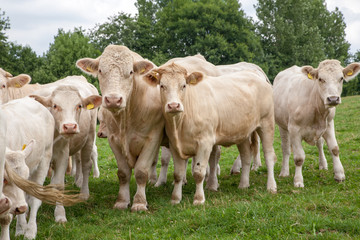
point(350, 73)
point(23, 147)
point(193, 80)
point(309, 76)
point(17, 85)
point(89, 69)
point(142, 70)
point(90, 106)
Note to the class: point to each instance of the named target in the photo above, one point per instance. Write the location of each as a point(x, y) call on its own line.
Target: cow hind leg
point(285, 146)
point(165, 159)
point(86, 164)
point(322, 160)
point(94, 160)
point(212, 180)
point(299, 158)
point(153, 174)
point(257, 159)
point(244, 149)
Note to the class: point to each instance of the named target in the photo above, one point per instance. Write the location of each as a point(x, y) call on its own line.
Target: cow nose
point(333, 100)
point(20, 210)
point(70, 128)
point(113, 102)
point(100, 134)
point(173, 106)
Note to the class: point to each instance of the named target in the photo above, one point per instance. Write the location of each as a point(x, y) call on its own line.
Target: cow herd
point(188, 107)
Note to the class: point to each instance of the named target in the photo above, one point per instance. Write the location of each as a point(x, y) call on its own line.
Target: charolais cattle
point(305, 100)
point(73, 106)
point(201, 112)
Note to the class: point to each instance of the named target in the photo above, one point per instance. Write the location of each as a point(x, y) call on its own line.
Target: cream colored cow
point(305, 100)
point(202, 111)
point(134, 119)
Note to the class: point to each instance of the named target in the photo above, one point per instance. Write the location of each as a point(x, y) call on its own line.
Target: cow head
point(7, 81)
point(329, 78)
point(114, 69)
point(16, 160)
point(66, 104)
point(173, 81)
point(102, 132)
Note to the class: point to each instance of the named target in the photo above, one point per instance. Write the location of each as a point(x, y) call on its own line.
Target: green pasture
point(324, 209)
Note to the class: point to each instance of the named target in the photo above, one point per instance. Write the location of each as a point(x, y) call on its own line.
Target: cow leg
point(153, 174)
point(299, 157)
point(5, 226)
point(244, 149)
point(86, 163)
point(330, 139)
point(257, 159)
point(79, 173)
point(94, 160)
point(322, 160)
point(285, 146)
point(212, 180)
point(73, 167)
point(165, 159)
point(60, 162)
point(201, 163)
point(21, 224)
point(266, 133)
point(236, 166)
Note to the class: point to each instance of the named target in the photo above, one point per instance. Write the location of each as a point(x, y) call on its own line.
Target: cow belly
point(311, 136)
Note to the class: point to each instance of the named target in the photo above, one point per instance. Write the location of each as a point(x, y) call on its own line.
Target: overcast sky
point(36, 22)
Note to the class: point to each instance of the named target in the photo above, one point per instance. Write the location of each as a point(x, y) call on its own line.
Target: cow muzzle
point(174, 107)
point(70, 128)
point(113, 102)
point(333, 100)
point(101, 134)
point(5, 205)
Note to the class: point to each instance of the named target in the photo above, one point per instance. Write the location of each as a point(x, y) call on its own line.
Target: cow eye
point(3, 86)
point(321, 80)
point(79, 106)
point(55, 106)
point(162, 86)
point(342, 79)
point(99, 70)
point(183, 87)
point(5, 181)
point(131, 72)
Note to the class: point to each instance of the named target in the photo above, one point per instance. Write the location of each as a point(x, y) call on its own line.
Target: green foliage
point(60, 60)
point(300, 33)
point(324, 209)
point(4, 46)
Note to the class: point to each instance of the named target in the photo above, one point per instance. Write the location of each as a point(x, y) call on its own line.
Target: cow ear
point(92, 102)
point(310, 72)
point(351, 71)
point(27, 149)
point(88, 65)
point(194, 78)
point(43, 100)
point(142, 67)
point(19, 81)
point(152, 78)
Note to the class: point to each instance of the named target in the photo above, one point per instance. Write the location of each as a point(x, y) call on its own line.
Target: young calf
point(305, 100)
point(202, 111)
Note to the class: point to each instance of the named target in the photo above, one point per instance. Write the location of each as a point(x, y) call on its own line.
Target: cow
point(305, 100)
point(202, 111)
point(135, 123)
point(18, 87)
point(27, 121)
point(73, 106)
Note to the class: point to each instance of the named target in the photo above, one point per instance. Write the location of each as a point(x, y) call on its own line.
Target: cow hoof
point(159, 183)
point(212, 187)
point(136, 207)
point(78, 182)
point(152, 181)
point(244, 185)
point(60, 219)
point(85, 196)
point(254, 168)
point(323, 167)
point(272, 190)
point(30, 235)
point(284, 174)
point(234, 172)
point(121, 205)
point(298, 184)
point(96, 174)
point(199, 202)
point(339, 177)
point(174, 202)
point(19, 232)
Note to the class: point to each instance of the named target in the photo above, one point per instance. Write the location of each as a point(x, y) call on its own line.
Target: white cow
point(75, 127)
point(202, 111)
point(305, 100)
point(134, 122)
point(19, 87)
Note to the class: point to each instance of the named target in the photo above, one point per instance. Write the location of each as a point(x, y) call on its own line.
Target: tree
point(296, 32)
point(4, 46)
point(60, 60)
point(21, 60)
point(217, 29)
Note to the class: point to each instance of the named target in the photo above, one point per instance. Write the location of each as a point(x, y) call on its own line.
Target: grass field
point(324, 209)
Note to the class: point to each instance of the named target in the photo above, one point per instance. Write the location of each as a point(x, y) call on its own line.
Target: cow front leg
point(124, 175)
point(5, 226)
point(86, 164)
point(179, 173)
point(330, 139)
point(286, 150)
point(153, 174)
point(199, 171)
point(299, 158)
point(322, 160)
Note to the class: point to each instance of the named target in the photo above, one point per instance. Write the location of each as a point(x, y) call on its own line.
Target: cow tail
point(254, 144)
point(49, 194)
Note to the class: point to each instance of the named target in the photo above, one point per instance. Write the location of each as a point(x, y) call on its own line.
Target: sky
point(36, 22)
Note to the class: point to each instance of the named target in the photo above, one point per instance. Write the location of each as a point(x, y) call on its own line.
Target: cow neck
point(321, 112)
point(172, 124)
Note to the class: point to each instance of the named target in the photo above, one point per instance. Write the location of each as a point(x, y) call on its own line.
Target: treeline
point(287, 32)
